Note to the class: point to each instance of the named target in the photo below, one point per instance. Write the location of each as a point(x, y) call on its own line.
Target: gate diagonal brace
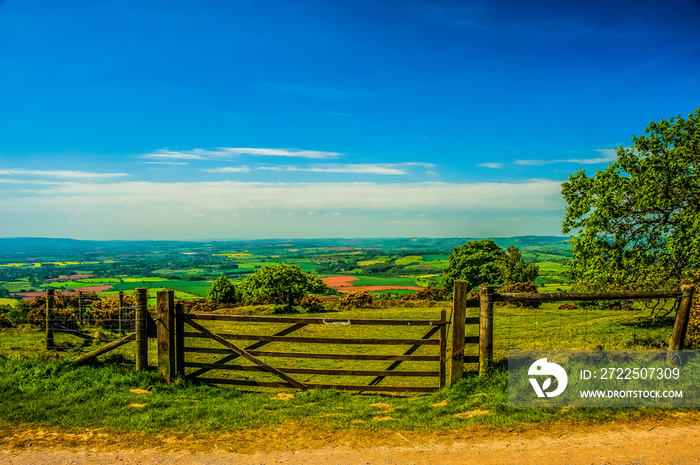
point(243, 353)
point(255, 346)
point(410, 351)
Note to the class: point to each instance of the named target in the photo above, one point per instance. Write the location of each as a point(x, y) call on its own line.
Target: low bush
point(528, 288)
point(312, 303)
point(357, 299)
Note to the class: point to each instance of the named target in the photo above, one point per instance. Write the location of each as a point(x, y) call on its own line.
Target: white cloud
point(222, 153)
point(607, 156)
point(61, 174)
point(169, 163)
point(532, 195)
point(196, 154)
point(496, 166)
point(286, 153)
point(229, 169)
point(347, 168)
point(360, 168)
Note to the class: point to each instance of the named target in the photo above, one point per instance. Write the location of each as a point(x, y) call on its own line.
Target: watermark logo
point(542, 367)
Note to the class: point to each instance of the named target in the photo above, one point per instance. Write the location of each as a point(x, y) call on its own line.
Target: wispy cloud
point(286, 153)
point(228, 169)
point(360, 168)
point(496, 166)
point(196, 154)
point(607, 155)
point(169, 163)
point(535, 194)
point(61, 174)
point(222, 153)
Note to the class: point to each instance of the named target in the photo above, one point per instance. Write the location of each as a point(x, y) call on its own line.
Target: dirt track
point(673, 440)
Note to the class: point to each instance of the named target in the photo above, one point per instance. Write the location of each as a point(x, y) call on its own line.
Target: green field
point(142, 280)
point(380, 281)
point(196, 288)
point(17, 286)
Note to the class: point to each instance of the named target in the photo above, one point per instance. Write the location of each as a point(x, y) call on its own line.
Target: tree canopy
point(636, 224)
point(475, 262)
point(513, 268)
point(285, 284)
point(222, 290)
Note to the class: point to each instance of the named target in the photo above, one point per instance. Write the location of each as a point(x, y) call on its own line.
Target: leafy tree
point(475, 262)
point(637, 223)
point(513, 269)
point(280, 283)
point(222, 290)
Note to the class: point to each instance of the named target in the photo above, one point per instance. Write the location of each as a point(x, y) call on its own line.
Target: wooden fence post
point(485, 329)
point(120, 314)
point(141, 298)
point(443, 348)
point(166, 334)
point(180, 339)
point(680, 328)
point(50, 302)
point(459, 315)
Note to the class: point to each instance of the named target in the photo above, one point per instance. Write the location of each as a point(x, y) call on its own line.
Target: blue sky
point(266, 119)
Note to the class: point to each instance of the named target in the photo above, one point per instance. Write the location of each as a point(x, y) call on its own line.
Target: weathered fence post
point(166, 334)
point(180, 339)
point(680, 328)
point(485, 329)
point(459, 316)
point(443, 348)
point(141, 298)
point(120, 313)
point(50, 302)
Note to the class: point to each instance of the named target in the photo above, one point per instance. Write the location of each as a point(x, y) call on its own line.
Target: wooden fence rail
point(487, 297)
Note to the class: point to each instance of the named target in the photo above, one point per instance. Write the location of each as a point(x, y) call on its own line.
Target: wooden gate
point(318, 353)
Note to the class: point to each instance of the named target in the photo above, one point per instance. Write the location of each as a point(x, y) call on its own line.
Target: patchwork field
point(383, 267)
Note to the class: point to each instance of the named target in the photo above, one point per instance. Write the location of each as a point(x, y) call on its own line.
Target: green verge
point(61, 394)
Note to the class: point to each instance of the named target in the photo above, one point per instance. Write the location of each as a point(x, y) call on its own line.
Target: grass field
point(194, 288)
point(17, 286)
point(381, 281)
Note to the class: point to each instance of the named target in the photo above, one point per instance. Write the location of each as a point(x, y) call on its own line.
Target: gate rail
point(187, 327)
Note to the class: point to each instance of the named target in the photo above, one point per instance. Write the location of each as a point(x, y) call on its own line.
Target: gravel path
point(671, 441)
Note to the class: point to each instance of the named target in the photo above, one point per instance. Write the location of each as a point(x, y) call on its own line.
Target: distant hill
point(28, 246)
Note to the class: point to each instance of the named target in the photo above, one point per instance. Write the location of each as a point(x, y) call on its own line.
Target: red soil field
point(339, 281)
point(375, 288)
point(344, 284)
point(32, 295)
point(104, 287)
point(72, 277)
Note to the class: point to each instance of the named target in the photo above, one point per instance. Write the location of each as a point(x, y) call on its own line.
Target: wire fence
point(74, 322)
point(557, 326)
